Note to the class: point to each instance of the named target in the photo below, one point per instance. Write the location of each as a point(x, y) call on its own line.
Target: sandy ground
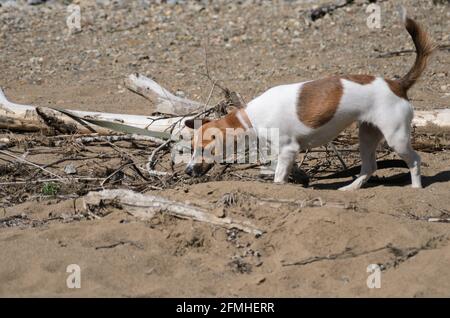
point(305, 251)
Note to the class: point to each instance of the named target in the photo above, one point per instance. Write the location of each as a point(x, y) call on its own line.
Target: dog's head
point(209, 143)
point(203, 146)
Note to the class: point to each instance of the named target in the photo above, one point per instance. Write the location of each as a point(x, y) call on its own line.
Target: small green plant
point(50, 189)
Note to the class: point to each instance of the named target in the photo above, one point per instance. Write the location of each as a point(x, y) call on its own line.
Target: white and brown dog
point(311, 114)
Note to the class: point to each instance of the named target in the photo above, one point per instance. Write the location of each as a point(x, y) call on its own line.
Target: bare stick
point(165, 101)
point(209, 96)
point(438, 220)
point(151, 159)
point(7, 153)
point(312, 203)
point(442, 47)
point(51, 180)
point(134, 137)
point(115, 172)
point(155, 173)
point(145, 207)
point(338, 155)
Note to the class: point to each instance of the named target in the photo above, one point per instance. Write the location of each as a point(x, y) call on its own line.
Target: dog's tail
point(424, 47)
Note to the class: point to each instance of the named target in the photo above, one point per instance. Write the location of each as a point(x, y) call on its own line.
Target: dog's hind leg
point(369, 138)
point(396, 129)
point(400, 141)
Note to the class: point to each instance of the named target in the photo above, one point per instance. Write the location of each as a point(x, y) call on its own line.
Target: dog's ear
point(190, 123)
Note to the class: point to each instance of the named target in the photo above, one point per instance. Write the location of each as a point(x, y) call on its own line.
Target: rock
point(70, 169)
point(180, 94)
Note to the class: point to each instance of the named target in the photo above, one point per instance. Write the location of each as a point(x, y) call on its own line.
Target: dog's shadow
point(400, 179)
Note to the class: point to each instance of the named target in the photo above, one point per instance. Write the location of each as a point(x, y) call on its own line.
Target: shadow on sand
point(400, 179)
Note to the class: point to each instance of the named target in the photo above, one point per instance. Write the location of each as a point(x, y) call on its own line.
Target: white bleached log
point(165, 102)
point(145, 207)
point(437, 117)
point(18, 117)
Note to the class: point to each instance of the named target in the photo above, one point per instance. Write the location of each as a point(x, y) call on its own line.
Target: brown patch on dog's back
point(397, 88)
point(318, 101)
point(360, 79)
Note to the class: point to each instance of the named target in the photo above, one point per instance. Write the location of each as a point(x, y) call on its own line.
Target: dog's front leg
point(286, 159)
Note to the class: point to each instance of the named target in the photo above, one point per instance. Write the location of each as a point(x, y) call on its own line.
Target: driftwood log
point(164, 101)
point(146, 206)
point(29, 118)
point(437, 117)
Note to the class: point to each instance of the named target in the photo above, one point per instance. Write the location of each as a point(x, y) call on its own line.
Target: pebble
point(70, 169)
